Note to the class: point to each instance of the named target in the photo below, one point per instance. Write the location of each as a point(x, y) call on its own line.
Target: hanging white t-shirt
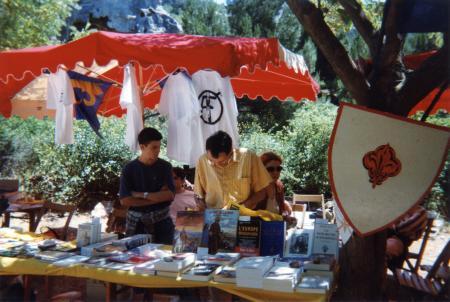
point(179, 103)
point(60, 96)
point(218, 108)
point(130, 99)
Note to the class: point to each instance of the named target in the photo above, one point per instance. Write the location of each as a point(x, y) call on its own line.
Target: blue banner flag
point(89, 93)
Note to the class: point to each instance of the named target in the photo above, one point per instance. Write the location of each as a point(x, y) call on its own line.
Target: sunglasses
point(272, 169)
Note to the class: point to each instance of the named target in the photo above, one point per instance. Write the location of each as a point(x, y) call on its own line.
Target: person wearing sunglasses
point(274, 200)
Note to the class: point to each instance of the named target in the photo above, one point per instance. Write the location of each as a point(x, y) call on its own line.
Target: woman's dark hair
point(148, 135)
point(179, 172)
point(269, 156)
point(219, 142)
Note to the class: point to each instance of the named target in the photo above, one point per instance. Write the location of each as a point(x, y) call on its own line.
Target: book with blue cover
point(273, 235)
point(219, 231)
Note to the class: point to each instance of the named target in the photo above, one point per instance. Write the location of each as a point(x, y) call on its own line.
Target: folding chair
point(436, 282)
point(418, 256)
point(301, 198)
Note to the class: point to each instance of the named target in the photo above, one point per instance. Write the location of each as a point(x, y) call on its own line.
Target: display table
point(31, 266)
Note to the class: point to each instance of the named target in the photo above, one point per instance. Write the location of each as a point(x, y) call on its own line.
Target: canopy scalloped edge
point(236, 51)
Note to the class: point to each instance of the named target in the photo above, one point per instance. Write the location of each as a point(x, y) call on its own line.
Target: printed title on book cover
point(381, 165)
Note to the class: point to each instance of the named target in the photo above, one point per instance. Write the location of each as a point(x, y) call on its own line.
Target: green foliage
point(416, 43)
point(76, 34)
point(204, 17)
point(305, 150)
point(303, 144)
point(253, 18)
point(438, 199)
point(25, 23)
point(276, 114)
point(83, 173)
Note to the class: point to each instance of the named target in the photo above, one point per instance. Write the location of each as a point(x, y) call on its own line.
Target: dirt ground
point(95, 290)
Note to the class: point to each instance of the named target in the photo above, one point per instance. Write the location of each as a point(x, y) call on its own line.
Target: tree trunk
point(362, 268)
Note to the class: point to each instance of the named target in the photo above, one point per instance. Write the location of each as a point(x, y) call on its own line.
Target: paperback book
point(318, 284)
point(69, 261)
point(248, 236)
point(201, 271)
point(226, 274)
point(299, 243)
point(273, 234)
point(52, 256)
point(147, 268)
point(250, 271)
point(281, 277)
point(222, 258)
point(219, 232)
point(188, 231)
point(175, 262)
point(325, 239)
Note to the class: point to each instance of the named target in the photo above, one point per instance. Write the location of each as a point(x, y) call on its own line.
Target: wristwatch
point(145, 195)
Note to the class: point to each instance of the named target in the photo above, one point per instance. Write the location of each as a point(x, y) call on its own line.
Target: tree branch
point(431, 73)
point(387, 70)
point(361, 23)
point(392, 45)
point(312, 21)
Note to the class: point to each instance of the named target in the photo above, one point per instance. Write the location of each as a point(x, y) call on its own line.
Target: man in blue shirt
point(147, 188)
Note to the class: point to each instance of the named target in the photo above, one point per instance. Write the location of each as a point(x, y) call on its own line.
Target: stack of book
point(226, 274)
point(173, 265)
point(282, 277)
point(201, 271)
point(69, 261)
point(222, 258)
point(89, 232)
point(52, 256)
point(133, 241)
point(148, 267)
point(250, 271)
point(10, 247)
point(315, 282)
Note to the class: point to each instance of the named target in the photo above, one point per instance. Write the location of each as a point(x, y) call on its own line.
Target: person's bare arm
point(137, 199)
point(256, 197)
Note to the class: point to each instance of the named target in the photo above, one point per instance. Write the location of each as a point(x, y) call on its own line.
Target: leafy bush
point(88, 171)
point(305, 150)
point(303, 144)
point(437, 199)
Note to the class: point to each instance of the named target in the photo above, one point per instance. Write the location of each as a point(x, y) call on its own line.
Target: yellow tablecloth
point(18, 266)
point(31, 266)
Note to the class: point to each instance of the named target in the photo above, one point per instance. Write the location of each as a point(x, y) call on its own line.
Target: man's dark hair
point(148, 135)
point(219, 142)
point(179, 172)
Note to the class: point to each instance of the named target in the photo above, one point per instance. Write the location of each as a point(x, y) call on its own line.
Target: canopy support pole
point(100, 75)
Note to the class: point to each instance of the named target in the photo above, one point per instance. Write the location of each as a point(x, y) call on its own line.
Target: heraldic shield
point(381, 165)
